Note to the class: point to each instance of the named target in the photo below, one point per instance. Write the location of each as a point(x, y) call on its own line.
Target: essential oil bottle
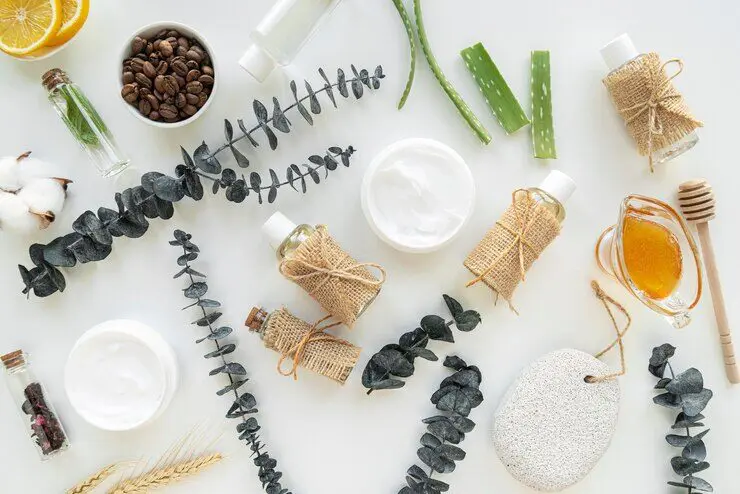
point(553, 192)
point(33, 406)
point(617, 54)
point(84, 122)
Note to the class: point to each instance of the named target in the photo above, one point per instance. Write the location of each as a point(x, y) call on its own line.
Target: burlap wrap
point(309, 346)
point(508, 249)
point(654, 111)
point(342, 286)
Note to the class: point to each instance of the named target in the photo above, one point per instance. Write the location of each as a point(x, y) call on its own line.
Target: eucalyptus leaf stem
point(688, 429)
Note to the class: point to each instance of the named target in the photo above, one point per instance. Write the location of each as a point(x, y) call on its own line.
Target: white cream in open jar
point(417, 195)
point(120, 375)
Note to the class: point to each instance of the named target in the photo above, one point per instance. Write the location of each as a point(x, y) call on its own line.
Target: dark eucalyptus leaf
point(207, 303)
point(328, 87)
point(147, 180)
point(313, 100)
point(237, 191)
point(224, 350)
point(236, 384)
point(683, 421)
point(437, 328)
point(456, 399)
point(246, 401)
point(205, 160)
point(228, 131)
point(330, 162)
point(55, 276)
point(228, 177)
point(415, 338)
point(217, 334)
point(657, 370)
point(247, 133)
point(293, 173)
point(313, 174)
point(468, 377)
point(668, 400)
point(231, 368)
point(661, 354)
point(169, 189)
point(431, 441)
point(444, 430)
point(190, 271)
point(134, 211)
point(279, 120)
point(272, 195)
point(661, 384)
point(435, 461)
point(86, 250)
point(261, 113)
point(357, 88)
point(365, 78)
point(694, 403)
point(301, 108)
point(696, 451)
point(424, 353)
point(241, 160)
point(57, 252)
point(196, 290)
point(394, 362)
point(454, 362)
point(89, 225)
point(208, 319)
point(687, 382)
point(342, 83)
point(683, 466)
point(698, 484)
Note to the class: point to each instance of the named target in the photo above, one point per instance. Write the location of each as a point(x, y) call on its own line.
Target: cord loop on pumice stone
point(606, 300)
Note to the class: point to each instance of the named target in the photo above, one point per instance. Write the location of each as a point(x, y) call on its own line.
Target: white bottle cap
point(257, 62)
point(558, 185)
point(277, 228)
point(619, 51)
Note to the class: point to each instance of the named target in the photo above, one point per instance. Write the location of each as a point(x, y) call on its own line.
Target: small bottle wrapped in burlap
point(517, 239)
point(343, 286)
point(307, 345)
point(654, 111)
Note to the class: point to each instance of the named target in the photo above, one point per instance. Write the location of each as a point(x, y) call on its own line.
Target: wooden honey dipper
point(696, 199)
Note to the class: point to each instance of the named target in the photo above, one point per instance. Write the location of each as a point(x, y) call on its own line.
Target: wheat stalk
point(94, 480)
point(164, 476)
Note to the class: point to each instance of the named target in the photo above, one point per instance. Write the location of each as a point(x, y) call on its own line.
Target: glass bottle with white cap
point(618, 53)
point(285, 236)
point(282, 33)
point(554, 192)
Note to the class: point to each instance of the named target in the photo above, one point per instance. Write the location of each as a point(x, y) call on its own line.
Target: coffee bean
point(130, 93)
point(162, 67)
point(149, 49)
point(159, 83)
point(193, 55)
point(154, 116)
point(142, 56)
point(190, 110)
point(165, 48)
point(138, 44)
point(161, 34)
point(207, 70)
point(183, 41)
point(172, 33)
point(180, 100)
point(192, 99)
point(156, 43)
point(194, 87)
point(170, 100)
point(137, 65)
point(192, 75)
point(154, 59)
point(143, 80)
point(170, 85)
point(149, 70)
point(193, 65)
point(206, 80)
point(180, 81)
point(202, 98)
point(179, 67)
point(144, 92)
point(172, 40)
point(181, 51)
point(168, 111)
point(153, 101)
point(145, 107)
point(159, 96)
point(128, 77)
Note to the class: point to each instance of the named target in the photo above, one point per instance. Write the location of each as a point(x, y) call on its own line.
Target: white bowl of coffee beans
point(167, 75)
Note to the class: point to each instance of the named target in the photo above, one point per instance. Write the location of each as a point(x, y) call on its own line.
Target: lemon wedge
point(27, 25)
point(74, 15)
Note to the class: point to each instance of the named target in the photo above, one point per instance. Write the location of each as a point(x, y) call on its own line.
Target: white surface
point(417, 195)
point(331, 440)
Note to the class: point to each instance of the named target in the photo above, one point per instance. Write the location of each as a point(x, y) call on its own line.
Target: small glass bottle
point(554, 192)
point(34, 407)
point(618, 53)
point(284, 235)
point(282, 33)
point(84, 122)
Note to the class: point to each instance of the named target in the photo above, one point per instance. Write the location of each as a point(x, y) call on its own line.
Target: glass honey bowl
point(653, 254)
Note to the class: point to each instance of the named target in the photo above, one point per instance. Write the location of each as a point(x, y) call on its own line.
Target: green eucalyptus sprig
point(398, 359)
point(684, 392)
point(244, 404)
point(456, 397)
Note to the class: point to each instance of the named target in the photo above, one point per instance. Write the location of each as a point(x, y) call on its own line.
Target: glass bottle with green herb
point(84, 122)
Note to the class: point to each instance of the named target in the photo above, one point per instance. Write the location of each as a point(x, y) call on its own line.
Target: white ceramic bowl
point(114, 332)
point(447, 160)
point(148, 31)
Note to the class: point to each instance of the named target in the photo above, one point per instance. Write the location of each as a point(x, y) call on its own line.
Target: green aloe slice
point(543, 132)
point(494, 88)
point(412, 44)
point(462, 107)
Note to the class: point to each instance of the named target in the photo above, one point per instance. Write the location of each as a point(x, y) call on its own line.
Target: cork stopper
point(256, 319)
point(14, 360)
point(696, 199)
point(53, 78)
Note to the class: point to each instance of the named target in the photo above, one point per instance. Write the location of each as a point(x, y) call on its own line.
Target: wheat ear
point(94, 480)
point(162, 477)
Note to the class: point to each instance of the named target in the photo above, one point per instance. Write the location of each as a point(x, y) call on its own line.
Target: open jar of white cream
point(417, 195)
point(121, 375)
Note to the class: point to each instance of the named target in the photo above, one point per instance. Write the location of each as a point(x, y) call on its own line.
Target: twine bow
point(317, 333)
point(606, 300)
point(659, 94)
point(519, 240)
point(330, 270)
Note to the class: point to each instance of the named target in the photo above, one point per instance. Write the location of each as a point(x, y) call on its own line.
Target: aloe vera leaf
point(462, 107)
point(494, 88)
point(543, 132)
point(412, 44)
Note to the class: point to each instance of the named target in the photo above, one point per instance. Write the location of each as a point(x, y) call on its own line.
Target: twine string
point(658, 96)
point(608, 302)
point(315, 334)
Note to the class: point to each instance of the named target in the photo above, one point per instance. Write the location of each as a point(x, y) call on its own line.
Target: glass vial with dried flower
point(84, 122)
point(34, 406)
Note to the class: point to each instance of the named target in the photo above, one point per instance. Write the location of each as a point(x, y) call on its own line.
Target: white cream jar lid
point(417, 195)
point(121, 375)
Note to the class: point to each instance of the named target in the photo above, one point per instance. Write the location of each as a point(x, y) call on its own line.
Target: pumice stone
point(552, 427)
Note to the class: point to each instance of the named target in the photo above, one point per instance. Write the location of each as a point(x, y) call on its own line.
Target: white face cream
point(118, 378)
point(417, 195)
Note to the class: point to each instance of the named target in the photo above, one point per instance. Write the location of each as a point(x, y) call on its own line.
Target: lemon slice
point(27, 25)
point(74, 15)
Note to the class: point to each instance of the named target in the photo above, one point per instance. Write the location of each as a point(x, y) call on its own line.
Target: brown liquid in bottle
point(653, 257)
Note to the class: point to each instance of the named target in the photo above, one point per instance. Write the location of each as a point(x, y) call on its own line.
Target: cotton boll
point(9, 174)
point(15, 216)
point(30, 169)
point(43, 194)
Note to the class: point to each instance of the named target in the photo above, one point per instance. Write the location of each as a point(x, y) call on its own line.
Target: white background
point(331, 440)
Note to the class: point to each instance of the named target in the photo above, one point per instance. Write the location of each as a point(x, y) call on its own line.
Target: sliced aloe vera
point(543, 131)
point(462, 107)
point(494, 88)
point(412, 44)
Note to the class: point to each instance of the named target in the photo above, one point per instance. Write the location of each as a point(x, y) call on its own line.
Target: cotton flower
point(29, 198)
